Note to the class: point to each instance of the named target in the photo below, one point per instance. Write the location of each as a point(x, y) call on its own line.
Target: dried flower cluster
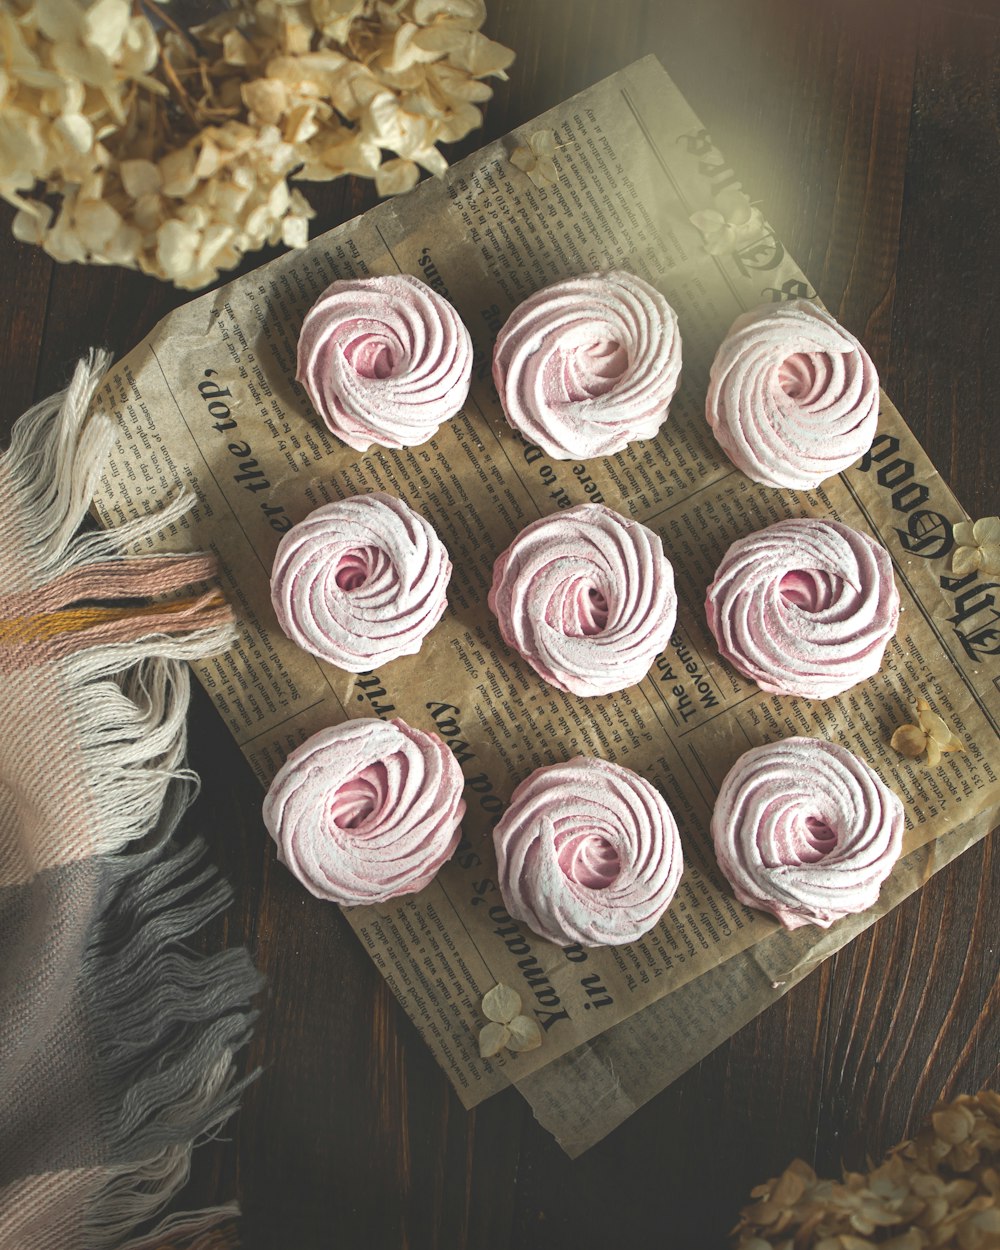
point(940, 1190)
point(977, 546)
point(733, 221)
point(508, 1029)
point(127, 140)
point(930, 734)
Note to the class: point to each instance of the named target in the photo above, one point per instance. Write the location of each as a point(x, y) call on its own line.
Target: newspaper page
point(208, 404)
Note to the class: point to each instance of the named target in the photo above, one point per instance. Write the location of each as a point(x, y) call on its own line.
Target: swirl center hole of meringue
point(359, 800)
point(372, 354)
point(811, 590)
point(588, 858)
point(354, 568)
point(595, 368)
point(819, 840)
point(802, 376)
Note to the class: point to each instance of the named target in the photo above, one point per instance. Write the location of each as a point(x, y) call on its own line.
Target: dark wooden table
point(872, 133)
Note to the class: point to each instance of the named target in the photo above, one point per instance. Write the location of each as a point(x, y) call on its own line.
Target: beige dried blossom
point(977, 546)
point(535, 158)
point(508, 1028)
point(940, 1190)
point(733, 221)
point(930, 734)
point(125, 139)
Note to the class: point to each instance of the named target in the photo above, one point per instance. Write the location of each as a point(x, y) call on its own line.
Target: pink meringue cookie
point(360, 581)
point(367, 810)
point(792, 396)
point(587, 852)
point(804, 607)
point(805, 830)
point(587, 365)
point(384, 360)
point(587, 598)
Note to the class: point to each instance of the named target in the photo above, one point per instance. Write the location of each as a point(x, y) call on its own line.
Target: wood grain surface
point(870, 131)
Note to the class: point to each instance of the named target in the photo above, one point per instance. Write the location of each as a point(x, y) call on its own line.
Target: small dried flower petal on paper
point(525, 1034)
point(977, 546)
point(492, 1039)
point(734, 220)
point(501, 1004)
point(535, 158)
point(930, 734)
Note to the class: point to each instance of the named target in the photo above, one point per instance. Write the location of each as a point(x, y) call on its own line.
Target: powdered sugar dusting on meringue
point(587, 598)
point(792, 396)
point(367, 810)
point(360, 581)
point(588, 852)
point(587, 365)
point(804, 607)
point(805, 830)
point(384, 360)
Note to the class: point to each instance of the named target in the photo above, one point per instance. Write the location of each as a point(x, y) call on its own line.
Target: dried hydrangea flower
point(508, 1028)
point(930, 734)
point(940, 1190)
point(170, 151)
point(977, 546)
point(734, 220)
point(536, 157)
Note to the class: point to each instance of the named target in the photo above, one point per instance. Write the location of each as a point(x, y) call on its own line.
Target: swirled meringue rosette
point(587, 852)
point(792, 396)
point(587, 365)
point(367, 810)
point(804, 607)
point(805, 830)
point(384, 360)
point(587, 598)
point(360, 581)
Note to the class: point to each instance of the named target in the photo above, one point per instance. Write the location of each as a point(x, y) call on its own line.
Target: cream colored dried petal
point(104, 25)
point(124, 246)
point(501, 1004)
point(468, 50)
point(953, 1124)
point(237, 49)
point(58, 20)
point(393, 177)
point(61, 242)
point(909, 740)
point(964, 533)
point(405, 51)
point(177, 172)
point(300, 124)
point(492, 1039)
point(148, 212)
point(334, 17)
point(966, 560)
point(524, 1034)
point(932, 724)
point(95, 221)
point(176, 248)
point(933, 753)
point(294, 231)
point(23, 151)
point(267, 98)
point(76, 131)
point(464, 14)
point(31, 222)
point(139, 177)
point(990, 559)
point(455, 86)
point(986, 530)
